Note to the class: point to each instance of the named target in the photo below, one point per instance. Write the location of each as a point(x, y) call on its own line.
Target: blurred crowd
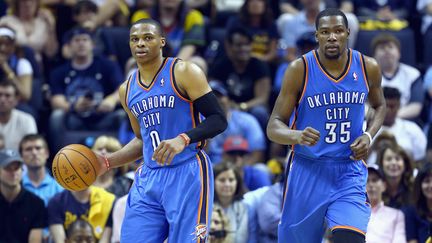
point(61, 62)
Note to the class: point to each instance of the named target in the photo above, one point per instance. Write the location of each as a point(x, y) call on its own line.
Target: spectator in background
point(183, 27)
point(219, 227)
point(113, 181)
point(2, 142)
point(257, 17)
point(34, 151)
point(14, 124)
point(305, 43)
point(398, 172)
point(293, 25)
point(93, 204)
point(35, 27)
point(424, 7)
point(229, 190)
point(23, 215)
point(84, 90)
point(13, 66)
point(82, 11)
point(269, 212)
point(239, 123)
point(382, 10)
point(80, 231)
point(236, 150)
point(383, 140)
point(247, 79)
point(387, 51)
point(417, 217)
point(118, 216)
point(386, 224)
point(407, 133)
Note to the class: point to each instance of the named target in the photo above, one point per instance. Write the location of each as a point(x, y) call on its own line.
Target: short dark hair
point(149, 21)
point(384, 38)
point(391, 93)
point(78, 224)
point(8, 83)
point(84, 5)
point(330, 12)
point(237, 30)
point(32, 137)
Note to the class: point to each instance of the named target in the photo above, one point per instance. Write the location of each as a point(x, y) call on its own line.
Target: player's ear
point(316, 36)
point(163, 41)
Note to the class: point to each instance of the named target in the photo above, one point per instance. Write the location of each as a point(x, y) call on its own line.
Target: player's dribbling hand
point(309, 136)
point(102, 164)
point(360, 147)
point(167, 149)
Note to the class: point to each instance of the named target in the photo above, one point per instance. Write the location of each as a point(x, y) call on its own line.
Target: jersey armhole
point(174, 83)
point(304, 80)
point(128, 83)
point(365, 75)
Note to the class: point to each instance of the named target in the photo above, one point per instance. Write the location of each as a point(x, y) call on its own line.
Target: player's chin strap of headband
point(369, 136)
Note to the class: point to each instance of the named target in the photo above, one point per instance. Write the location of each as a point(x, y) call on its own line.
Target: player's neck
point(333, 64)
point(149, 69)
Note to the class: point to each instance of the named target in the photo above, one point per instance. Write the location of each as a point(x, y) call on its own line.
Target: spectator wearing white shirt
point(407, 79)
point(14, 124)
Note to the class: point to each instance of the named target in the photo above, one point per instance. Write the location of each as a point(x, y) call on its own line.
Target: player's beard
point(333, 57)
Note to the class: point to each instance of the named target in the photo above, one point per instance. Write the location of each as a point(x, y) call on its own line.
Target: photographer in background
point(84, 90)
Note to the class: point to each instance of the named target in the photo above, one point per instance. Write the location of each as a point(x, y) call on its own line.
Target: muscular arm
point(131, 151)
point(193, 82)
point(376, 97)
point(277, 129)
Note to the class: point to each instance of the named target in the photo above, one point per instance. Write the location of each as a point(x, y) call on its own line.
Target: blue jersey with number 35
point(335, 106)
point(162, 112)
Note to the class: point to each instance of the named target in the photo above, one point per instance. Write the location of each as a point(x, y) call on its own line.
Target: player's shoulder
point(298, 64)
point(369, 61)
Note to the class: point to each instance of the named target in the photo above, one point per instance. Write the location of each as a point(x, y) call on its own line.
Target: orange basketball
point(75, 167)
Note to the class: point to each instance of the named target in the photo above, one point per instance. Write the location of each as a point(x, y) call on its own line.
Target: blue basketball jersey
point(162, 112)
point(334, 106)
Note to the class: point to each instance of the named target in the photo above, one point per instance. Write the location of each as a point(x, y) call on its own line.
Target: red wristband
point(185, 138)
point(107, 163)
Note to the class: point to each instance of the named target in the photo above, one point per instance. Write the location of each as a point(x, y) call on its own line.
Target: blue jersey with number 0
point(334, 106)
point(162, 112)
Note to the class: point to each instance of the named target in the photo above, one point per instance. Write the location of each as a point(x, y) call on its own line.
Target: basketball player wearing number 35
point(327, 90)
point(172, 195)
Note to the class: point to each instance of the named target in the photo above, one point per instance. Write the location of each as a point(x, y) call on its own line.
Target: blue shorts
point(323, 194)
point(170, 202)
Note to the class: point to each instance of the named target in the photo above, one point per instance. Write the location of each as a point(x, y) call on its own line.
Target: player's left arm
point(376, 100)
point(192, 82)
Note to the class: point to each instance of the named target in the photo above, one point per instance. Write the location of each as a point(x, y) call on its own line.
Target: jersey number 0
point(154, 135)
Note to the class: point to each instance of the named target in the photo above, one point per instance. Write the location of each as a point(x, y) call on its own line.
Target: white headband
point(7, 32)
